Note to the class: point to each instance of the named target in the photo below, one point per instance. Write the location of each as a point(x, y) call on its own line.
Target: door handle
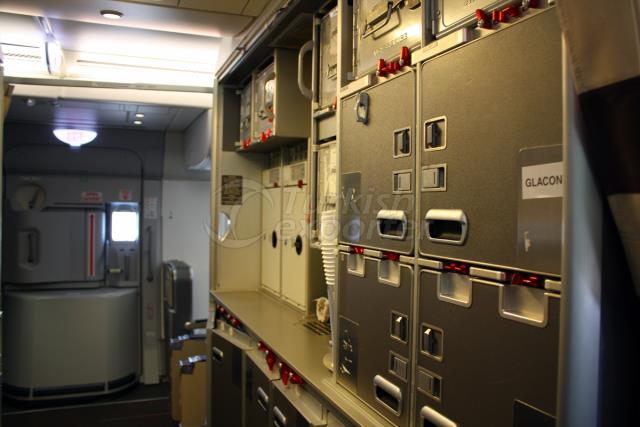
point(434, 418)
point(217, 355)
point(263, 399)
point(279, 420)
point(362, 108)
point(392, 224)
point(388, 394)
point(306, 48)
point(149, 253)
point(447, 226)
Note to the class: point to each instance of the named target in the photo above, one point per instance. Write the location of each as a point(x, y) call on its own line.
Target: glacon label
point(542, 181)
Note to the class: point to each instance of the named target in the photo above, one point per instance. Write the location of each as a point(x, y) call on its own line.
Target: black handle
point(298, 245)
point(274, 239)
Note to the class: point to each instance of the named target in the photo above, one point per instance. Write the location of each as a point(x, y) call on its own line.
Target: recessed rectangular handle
point(279, 420)
point(263, 399)
point(362, 108)
point(388, 394)
point(392, 224)
point(217, 355)
point(447, 226)
point(432, 418)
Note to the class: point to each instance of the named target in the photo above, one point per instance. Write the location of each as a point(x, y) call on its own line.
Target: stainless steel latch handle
point(263, 399)
point(217, 355)
point(446, 226)
point(149, 255)
point(435, 418)
point(388, 394)
point(279, 420)
point(392, 224)
point(362, 108)
point(306, 48)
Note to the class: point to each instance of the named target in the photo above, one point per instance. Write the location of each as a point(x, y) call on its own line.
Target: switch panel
point(431, 341)
point(402, 181)
point(398, 366)
point(399, 327)
point(429, 383)
point(434, 178)
point(402, 142)
point(435, 134)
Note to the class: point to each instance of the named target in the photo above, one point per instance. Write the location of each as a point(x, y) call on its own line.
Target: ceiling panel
point(222, 6)
point(254, 7)
point(136, 15)
point(92, 114)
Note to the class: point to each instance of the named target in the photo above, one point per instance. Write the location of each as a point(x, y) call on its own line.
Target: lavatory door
point(374, 355)
point(377, 164)
point(487, 353)
point(490, 149)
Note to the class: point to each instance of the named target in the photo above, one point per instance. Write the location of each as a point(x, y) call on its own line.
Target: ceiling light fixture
point(75, 137)
point(111, 14)
point(140, 115)
point(137, 122)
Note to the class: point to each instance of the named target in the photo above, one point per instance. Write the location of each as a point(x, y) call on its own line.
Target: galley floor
point(140, 406)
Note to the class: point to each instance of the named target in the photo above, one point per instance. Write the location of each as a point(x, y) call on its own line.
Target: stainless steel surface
point(512, 359)
point(369, 304)
point(489, 130)
point(367, 165)
point(449, 15)
point(328, 64)
point(382, 28)
point(280, 327)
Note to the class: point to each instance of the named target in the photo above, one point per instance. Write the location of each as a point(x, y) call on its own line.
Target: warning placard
point(91, 196)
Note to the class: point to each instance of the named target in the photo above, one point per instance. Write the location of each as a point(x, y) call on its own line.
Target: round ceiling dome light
point(111, 14)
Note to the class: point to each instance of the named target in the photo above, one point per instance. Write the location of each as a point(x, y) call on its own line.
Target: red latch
point(285, 373)
point(483, 19)
point(262, 347)
point(405, 57)
point(246, 143)
point(358, 250)
point(382, 68)
point(271, 360)
point(526, 280)
point(235, 322)
point(296, 379)
point(269, 133)
point(300, 183)
point(390, 256)
point(456, 267)
point(334, 103)
point(498, 16)
point(263, 137)
point(511, 11)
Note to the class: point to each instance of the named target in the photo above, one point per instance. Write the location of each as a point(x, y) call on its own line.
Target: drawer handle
point(434, 418)
point(218, 355)
point(279, 419)
point(447, 226)
point(263, 399)
point(388, 394)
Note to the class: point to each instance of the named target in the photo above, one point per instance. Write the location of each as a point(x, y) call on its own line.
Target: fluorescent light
point(111, 14)
point(140, 115)
point(137, 122)
point(75, 137)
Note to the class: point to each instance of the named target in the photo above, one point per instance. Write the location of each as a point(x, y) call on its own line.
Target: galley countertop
point(282, 329)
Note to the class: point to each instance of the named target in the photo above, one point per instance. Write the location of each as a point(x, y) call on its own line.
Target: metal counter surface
point(281, 328)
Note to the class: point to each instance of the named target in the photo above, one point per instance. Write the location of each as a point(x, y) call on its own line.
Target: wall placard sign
point(231, 190)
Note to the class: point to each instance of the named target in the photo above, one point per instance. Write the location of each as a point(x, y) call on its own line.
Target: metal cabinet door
point(375, 328)
point(381, 29)
point(295, 245)
point(271, 239)
point(226, 383)
point(61, 245)
point(377, 164)
point(257, 395)
point(477, 366)
point(489, 111)
point(328, 67)
point(306, 412)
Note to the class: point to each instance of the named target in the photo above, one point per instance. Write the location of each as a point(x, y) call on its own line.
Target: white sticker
point(542, 181)
point(150, 208)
